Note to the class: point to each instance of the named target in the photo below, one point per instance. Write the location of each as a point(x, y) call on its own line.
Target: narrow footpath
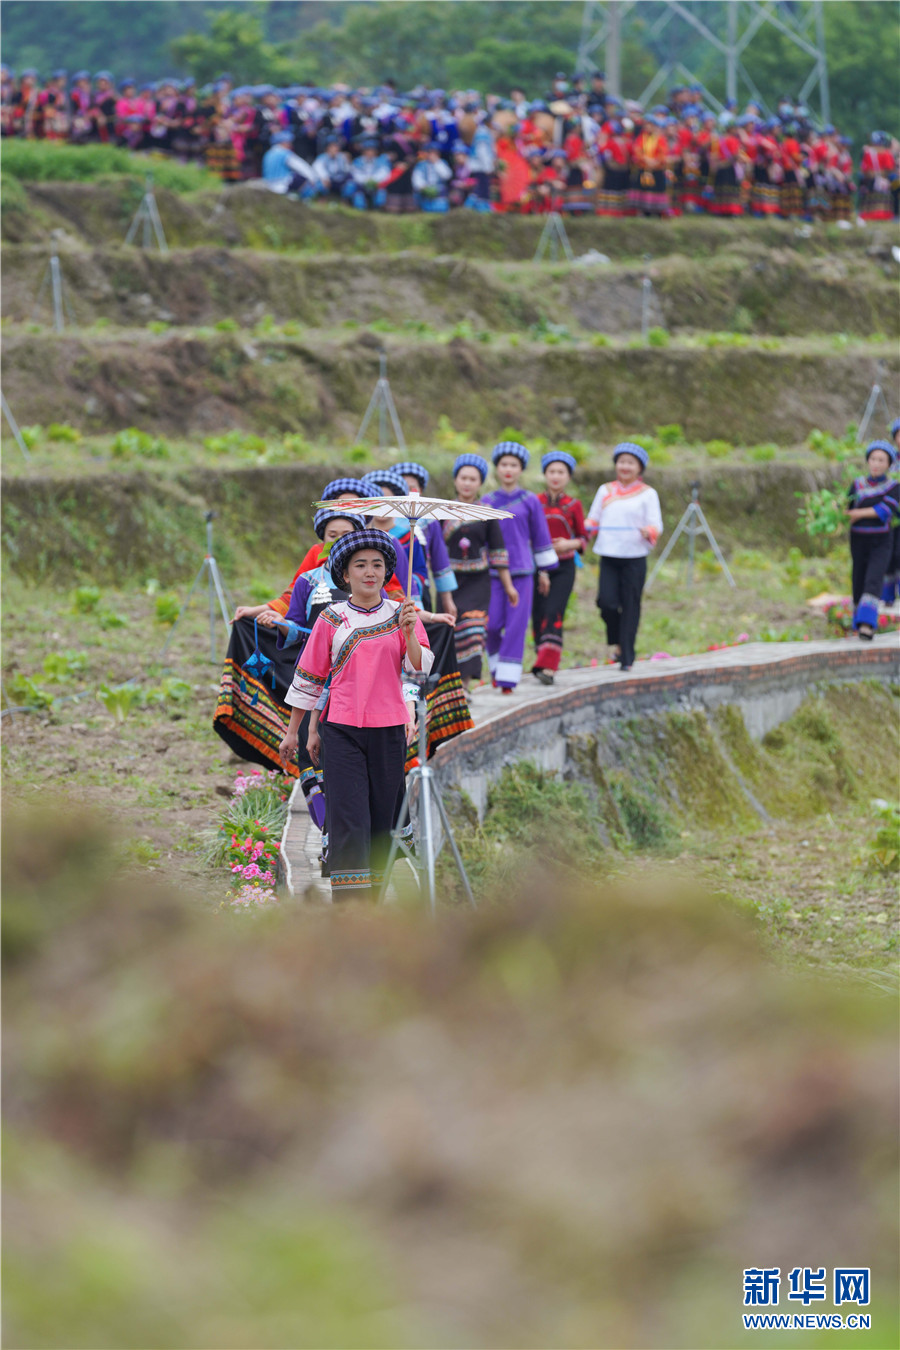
point(518, 725)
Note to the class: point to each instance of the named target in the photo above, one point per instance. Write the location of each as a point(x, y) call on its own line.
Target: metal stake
point(692, 523)
point(54, 277)
point(646, 289)
point(216, 593)
point(14, 427)
point(147, 216)
point(383, 400)
point(421, 781)
point(553, 236)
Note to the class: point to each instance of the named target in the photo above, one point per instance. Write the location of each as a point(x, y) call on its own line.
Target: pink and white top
point(364, 652)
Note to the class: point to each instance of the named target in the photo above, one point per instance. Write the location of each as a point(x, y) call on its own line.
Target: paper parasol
point(415, 508)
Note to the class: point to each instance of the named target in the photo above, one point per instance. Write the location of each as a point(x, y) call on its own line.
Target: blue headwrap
point(558, 457)
point(630, 448)
point(510, 448)
point(889, 450)
point(388, 478)
point(471, 462)
point(338, 486)
point(411, 469)
point(895, 426)
point(323, 515)
point(343, 550)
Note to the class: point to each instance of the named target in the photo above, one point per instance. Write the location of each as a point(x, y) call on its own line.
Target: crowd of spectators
point(578, 150)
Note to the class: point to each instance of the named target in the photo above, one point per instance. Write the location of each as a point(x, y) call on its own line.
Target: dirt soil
point(322, 385)
point(765, 291)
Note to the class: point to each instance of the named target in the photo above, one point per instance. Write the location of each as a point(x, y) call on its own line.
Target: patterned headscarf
point(338, 486)
point(889, 450)
point(345, 547)
point(558, 457)
point(472, 462)
point(323, 515)
point(388, 478)
point(510, 448)
point(410, 469)
point(631, 448)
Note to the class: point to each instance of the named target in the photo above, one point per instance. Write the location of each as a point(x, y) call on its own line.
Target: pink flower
point(742, 637)
point(661, 656)
point(252, 871)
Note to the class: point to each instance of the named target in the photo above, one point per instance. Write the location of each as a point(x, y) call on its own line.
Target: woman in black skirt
point(873, 505)
point(473, 548)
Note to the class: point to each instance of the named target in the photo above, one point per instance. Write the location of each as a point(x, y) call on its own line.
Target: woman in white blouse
point(627, 520)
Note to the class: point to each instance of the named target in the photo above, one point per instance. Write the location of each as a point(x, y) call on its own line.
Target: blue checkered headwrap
point(388, 478)
point(630, 448)
point(348, 544)
point(338, 486)
point(886, 446)
point(472, 462)
point(558, 457)
point(895, 426)
point(510, 448)
point(411, 469)
point(323, 515)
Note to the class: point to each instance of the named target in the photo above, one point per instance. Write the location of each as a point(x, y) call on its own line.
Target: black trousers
point(364, 787)
point(870, 555)
point(619, 601)
point(547, 615)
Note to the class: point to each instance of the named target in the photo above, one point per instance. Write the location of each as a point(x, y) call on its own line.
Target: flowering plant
point(247, 839)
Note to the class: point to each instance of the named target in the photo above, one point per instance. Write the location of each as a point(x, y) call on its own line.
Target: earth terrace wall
point(767, 685)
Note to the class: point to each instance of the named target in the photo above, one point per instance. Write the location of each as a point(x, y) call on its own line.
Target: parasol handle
point(409, 577)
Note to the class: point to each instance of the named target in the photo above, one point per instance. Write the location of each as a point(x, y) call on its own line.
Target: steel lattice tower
point(727, 26)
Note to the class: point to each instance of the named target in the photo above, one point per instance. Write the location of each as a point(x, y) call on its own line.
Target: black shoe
point(545, 676)
point(624, 667)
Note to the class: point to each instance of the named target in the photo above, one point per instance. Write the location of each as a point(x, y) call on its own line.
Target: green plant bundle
point(823, 512)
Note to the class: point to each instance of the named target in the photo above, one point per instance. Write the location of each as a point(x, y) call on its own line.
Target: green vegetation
point(56, 162)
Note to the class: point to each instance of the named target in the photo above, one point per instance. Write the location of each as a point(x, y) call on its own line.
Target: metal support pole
point(421, 785)
point(56, 289)
point(382, 419)
point(646, 289)
point(14, 427)
point(824, 94)
point(692, 523)
point(614, 48)
point(553, 236)
point(731, 53)
point(875, 397)
point(382, 401)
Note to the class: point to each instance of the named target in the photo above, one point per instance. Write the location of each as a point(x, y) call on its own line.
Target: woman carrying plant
point(873, 506)
point(361, 645)
point(628, 522)
point(565, 521)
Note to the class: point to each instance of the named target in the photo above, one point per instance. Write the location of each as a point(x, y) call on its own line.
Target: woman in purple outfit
point(530, 550)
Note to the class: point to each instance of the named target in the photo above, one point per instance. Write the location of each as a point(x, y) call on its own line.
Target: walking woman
point(361, 645)
point(530, 551)
point(873, 505)
point(626, 516)
point(890, 592)
point(565, 521)
point(474, 547)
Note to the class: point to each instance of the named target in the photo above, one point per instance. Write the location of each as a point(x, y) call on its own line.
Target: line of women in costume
point(522, 569)
point(269, 639)
point(341, 644)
